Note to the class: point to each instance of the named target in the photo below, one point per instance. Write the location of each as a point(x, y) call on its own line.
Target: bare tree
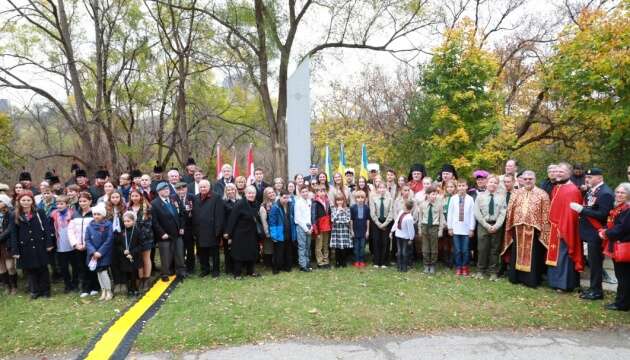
point(264, 33)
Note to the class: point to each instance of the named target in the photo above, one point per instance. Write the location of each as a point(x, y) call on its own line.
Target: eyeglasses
point(527, 179)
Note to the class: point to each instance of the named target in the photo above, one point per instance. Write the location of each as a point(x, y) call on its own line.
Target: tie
point(169, 206)
point(507, 197)
point(430, 216)
point(461, 208)
point(491, 205)
point(381, 212)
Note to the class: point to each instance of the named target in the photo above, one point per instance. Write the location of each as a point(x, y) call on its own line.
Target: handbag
point(260, 232)
point(621, 252)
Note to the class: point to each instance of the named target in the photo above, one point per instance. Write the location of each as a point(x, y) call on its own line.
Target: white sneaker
point(84, 294)
point(376, 266)
point(383, 266)
point(93, 293)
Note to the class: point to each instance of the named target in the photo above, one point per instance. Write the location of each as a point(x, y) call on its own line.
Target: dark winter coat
point(207, 217)
point(241, 228)
point(99, 237)
point(30, 239)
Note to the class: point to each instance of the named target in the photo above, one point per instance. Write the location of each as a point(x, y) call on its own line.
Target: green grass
point(63, 322)
point(335, 304)
point(351, 303)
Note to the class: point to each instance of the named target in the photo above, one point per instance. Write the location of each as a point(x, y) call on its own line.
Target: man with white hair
point(564, 254)
point(226, 178)
point(207, 221)
point(173, 180)
point(526, 232)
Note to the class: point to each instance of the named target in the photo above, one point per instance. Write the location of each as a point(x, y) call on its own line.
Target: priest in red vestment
point(564, 254)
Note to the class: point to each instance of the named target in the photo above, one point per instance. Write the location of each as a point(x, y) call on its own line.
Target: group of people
point(104, 235)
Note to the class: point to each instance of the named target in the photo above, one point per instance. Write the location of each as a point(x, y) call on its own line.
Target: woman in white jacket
point(76, 236)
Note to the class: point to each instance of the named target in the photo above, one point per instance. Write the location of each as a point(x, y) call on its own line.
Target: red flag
point(250, 164)
point(219, 162)
point(235, 172)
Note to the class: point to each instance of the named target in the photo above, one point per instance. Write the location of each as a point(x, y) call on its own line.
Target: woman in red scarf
point(618, 229)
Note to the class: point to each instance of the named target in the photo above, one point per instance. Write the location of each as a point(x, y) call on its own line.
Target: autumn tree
point(456, 116)
point(589, 76)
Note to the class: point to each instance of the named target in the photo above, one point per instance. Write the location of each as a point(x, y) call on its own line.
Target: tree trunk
point(92, 155)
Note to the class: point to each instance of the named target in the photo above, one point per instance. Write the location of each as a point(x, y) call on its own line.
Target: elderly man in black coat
point(207, 219)
point(167, 214)
point(598, 202)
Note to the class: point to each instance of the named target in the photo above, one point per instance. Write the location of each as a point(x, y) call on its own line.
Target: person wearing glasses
point(526, 232)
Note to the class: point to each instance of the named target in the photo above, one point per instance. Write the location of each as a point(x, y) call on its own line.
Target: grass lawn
point(63, 322)
point(351, 303)
point(333, 304)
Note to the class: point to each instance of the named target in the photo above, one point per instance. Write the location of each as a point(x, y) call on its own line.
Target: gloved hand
point(576, 207)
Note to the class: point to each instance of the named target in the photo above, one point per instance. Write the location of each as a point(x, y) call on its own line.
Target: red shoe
point(458, 272)
point(465, 271)
point(361, 264)
point(355, 264)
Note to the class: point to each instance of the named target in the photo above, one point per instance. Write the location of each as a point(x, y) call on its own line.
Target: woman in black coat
point(618, 229)
point(230, 198)
point(32, 239)
point(207, 221)
point(241, 231)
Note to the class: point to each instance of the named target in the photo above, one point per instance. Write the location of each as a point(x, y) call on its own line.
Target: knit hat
point(99, 209)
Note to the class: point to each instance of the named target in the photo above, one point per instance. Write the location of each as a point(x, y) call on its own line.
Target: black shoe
point(592, 295)
point(164, 278)
point(614, 307)
point(275, 272)
point(204, 273)
point(304, 269)
point(215, 275)
point(67, 290)
point(34, 296)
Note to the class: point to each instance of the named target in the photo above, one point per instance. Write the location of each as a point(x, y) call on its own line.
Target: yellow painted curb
point(109, 342)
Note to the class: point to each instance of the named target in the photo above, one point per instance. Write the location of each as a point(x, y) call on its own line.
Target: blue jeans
point(304, 248)
point(359, 249)
point(462, 253)
point(402, 256)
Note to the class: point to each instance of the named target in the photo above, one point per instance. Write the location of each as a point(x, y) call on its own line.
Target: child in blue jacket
point(99, 242)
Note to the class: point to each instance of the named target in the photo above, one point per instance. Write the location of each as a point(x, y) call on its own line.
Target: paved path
point(547, 345)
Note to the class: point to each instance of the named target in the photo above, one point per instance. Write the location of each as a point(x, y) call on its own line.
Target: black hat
point(54, 180)
point(190, 161)
point(101, 174)
point(313, 165)
point(578, 166)
point(594, 171)
point(74, 167)
point(158, 169)
point(416, 167)
point(48, 175)
point(80, 172)
point(135, 173)
point(447, 168)
point(25, 176)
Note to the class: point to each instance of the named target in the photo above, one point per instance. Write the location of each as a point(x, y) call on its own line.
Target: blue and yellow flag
point(364, 162)
point(342, 161)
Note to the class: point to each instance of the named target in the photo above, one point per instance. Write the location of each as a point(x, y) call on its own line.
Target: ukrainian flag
point(364, 162)
point(342, 161)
